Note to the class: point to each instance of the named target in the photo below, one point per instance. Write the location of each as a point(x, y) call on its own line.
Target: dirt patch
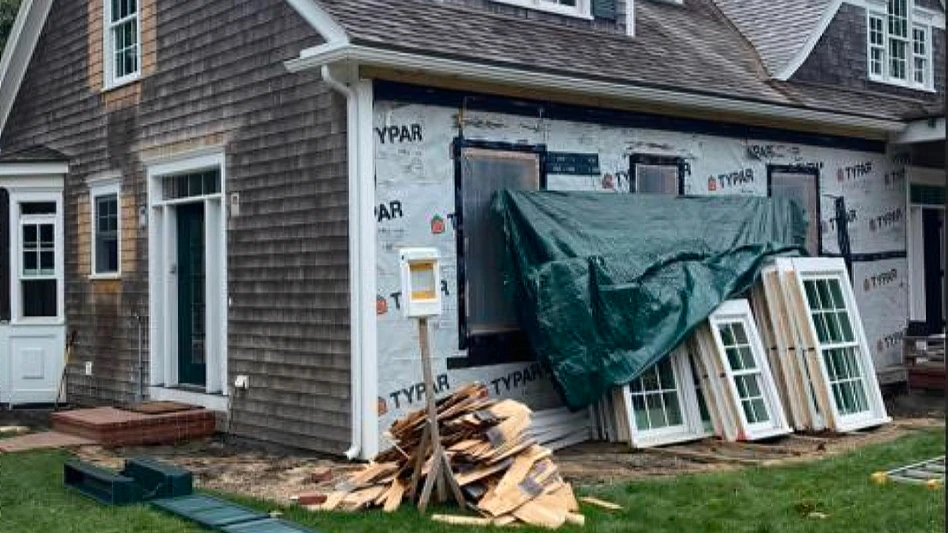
point(278, 476)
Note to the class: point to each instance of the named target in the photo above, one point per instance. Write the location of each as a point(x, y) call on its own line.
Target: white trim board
point(404, 61)
point(19, 51)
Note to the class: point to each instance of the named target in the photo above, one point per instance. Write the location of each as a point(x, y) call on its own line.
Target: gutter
point(362, 337)
point(352, 114)
point(369, 56)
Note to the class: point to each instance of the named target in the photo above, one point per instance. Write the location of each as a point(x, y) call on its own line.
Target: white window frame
point(583, 8)
point(16, 268)
point(691, 427)
point(739, 311)
point(804, 269)
point(97, 190)
point(917, 18)
point(163, 375)
point(108, 46)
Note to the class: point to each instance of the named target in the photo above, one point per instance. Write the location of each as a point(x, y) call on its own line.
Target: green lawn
point(753, 500)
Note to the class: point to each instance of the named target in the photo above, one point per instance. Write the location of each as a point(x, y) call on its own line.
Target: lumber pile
point(506, 477)
point(792, 356)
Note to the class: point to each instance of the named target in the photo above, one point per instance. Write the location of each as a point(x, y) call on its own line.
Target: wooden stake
point(440, 473)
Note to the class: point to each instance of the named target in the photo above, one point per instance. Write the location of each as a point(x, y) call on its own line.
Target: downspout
point(355, 298)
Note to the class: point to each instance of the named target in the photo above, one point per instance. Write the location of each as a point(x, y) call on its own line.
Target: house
point(192, 192)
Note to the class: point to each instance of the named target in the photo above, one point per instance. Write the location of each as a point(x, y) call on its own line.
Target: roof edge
point(24, 35)
point(320, 20)
point(804, 52)
point(371, 56)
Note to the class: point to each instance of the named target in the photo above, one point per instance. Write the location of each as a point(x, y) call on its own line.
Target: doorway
point(188, 280)
point(192, 301)
point(933, 228)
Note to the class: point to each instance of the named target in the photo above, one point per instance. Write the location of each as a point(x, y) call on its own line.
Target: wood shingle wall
point(213, 76)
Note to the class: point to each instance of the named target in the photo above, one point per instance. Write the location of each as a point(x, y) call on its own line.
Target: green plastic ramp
point(210, 512)
point(270, 525)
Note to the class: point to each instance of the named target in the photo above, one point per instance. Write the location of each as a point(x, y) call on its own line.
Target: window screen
point(489, 307)
point(801, 187)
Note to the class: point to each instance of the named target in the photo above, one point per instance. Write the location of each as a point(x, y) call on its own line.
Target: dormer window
point(899, 44)
point(575, 8)
point(122, 42)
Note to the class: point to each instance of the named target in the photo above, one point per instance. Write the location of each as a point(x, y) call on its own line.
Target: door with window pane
point(32, 333)
point(839, 346)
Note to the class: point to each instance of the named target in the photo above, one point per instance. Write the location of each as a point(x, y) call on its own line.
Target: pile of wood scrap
point(793, 356)
point(506, 477)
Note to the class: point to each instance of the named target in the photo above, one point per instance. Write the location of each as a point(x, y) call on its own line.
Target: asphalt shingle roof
point(690, 48)
point(777, 29)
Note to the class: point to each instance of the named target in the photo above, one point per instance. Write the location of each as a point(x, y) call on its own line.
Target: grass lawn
point(754, 500)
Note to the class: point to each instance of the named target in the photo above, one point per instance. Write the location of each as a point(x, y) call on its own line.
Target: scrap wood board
point(492, 448)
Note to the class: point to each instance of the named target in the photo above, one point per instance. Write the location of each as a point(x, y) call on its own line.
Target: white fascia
point(403, 61)
point(321, 21)
point(920, 131)
point(19, 50)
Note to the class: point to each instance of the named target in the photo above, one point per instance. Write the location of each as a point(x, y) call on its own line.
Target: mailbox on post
point(421, 282)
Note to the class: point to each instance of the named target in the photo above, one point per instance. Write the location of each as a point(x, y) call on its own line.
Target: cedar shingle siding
point(840, 58)
point(218, 79)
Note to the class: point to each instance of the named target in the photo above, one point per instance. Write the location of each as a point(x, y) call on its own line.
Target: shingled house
point(196, 191)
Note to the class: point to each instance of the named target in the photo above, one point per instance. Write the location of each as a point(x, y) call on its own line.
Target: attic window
point(575, 8)
point(122, 58)
point(899, 44)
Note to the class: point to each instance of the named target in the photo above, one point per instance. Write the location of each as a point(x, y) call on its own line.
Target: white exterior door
point(32, 335)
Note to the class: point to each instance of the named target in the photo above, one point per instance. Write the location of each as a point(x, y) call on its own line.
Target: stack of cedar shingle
point(505, 476)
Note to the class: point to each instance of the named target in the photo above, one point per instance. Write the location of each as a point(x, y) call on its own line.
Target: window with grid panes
point(744, 368)
point(106, 234)
point(38, 277)
point(836, 336)
point(655, 398)
point(123, 49)
point(899, 45)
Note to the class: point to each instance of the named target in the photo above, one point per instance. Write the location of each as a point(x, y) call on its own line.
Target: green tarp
point(608, 284)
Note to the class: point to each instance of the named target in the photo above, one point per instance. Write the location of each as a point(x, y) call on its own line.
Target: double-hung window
point(39, 272)
point(122, 41)
point(899, 44)
point(576, 8)
point(106, 229)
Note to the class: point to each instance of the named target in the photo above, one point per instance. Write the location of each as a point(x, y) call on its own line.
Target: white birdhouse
point(421, 282)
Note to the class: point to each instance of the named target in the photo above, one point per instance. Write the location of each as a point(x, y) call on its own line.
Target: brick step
point(114, 427)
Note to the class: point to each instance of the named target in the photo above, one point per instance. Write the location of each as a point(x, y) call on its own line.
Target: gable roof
point(699, 53)
point(778, 30)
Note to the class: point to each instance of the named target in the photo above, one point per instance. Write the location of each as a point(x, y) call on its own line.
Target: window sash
point(903, 55)
point(106, 255)
point(123, 41)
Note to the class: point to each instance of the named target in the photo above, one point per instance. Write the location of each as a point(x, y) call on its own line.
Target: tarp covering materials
point(608, 284)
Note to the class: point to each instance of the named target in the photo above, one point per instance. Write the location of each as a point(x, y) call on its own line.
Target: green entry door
point(192, 366)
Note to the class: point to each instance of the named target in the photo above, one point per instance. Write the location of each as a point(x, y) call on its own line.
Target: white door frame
point(162, 280)
point(915, 240)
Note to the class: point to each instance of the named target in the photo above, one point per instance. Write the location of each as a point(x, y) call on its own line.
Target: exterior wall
point(840, 58)
point(212, 76)
point(416, 202)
